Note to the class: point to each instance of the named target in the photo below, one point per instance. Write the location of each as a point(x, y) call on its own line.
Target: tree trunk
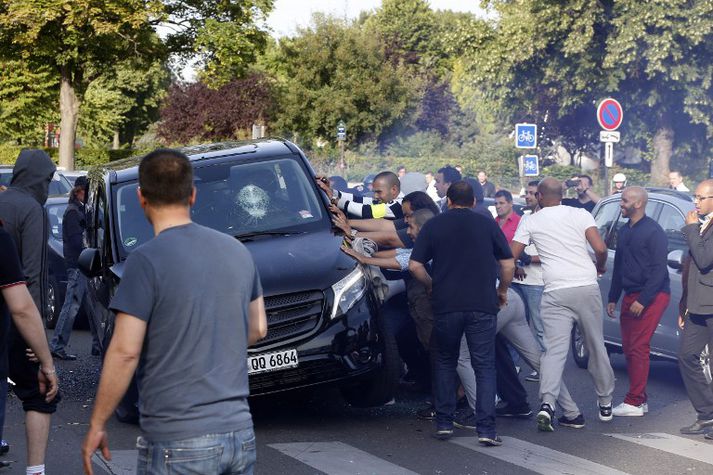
point(663, 150)
point(69, 113)
point(116, 144)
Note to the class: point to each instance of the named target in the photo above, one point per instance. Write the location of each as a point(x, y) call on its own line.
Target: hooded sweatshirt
point(23, 215)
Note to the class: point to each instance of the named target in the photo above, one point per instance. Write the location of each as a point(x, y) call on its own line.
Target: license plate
point(272, 361)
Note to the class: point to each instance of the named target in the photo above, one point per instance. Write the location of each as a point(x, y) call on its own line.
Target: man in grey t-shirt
point(189, 304)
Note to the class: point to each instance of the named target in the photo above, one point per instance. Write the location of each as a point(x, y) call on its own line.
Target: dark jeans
point(697, 333)
point(479, 329)
point(398, 322)
point(509, 386)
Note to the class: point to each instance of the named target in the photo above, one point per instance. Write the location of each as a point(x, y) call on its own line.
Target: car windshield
point(58, 186)
point(246, 199)
point(55, 214)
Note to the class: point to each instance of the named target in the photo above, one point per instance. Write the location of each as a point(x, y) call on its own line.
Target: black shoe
point(605, 413)
point(465, 419)
point(544, 418)
point(521, 412)
point(575, 423)
point(443, 433)
point(61, 355)
point(494, 441)
point(4, 447)
point(697, 428)
point(428, 413)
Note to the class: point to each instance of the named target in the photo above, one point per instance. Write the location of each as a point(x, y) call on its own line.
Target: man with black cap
point(24, 218)
point(73, 225)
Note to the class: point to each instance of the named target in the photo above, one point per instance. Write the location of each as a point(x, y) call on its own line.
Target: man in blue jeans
point(188, 306)
point(465, 301)
point(73, 225)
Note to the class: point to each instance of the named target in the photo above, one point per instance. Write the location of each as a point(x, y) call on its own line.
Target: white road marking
point(123, 462)
point(673, 444)
point(337, 458)
point(537, 458)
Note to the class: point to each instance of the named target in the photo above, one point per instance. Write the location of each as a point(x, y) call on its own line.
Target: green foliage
point(335, 71)
point(10, 151)
point(28, 99)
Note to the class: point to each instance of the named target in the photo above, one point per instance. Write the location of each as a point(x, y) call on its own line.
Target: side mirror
point(89, 262)
point(675, 259)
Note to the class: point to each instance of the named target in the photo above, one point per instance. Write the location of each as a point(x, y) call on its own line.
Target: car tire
point(54, 303)
point(381, 385)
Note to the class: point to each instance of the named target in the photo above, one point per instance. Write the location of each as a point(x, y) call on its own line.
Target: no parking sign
point(610, 114)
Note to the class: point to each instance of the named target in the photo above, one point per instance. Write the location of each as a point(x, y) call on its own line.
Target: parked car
point(57, 279)
point(668, 208)
point(58, 186)
point(73, 175)
point(323, 313)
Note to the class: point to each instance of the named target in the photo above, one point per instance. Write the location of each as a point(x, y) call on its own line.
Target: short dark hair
point(478, 192)
point(420, 200)
point(166, 177)
point(389, 177)
point(591, 182)
point(401, 168)
point(533, 183)
point(504, 194)
point(421, 216)
point(450, 174)
point(461, 194)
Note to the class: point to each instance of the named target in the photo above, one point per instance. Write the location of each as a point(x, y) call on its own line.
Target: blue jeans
point(532, 296)
point(211, 454)
point(479, 329)
point(74, 299)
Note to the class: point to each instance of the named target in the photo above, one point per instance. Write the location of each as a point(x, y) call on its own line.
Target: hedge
point(84, 157)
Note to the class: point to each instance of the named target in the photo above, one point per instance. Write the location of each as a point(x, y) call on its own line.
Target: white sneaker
point(628, 410)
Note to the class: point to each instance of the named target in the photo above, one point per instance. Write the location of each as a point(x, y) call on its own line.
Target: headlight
point(348, 291)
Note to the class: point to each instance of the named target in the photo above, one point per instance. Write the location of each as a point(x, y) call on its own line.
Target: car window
point(606, 215)
point(6, 177)
point(55, 214)
point(266, 196)
point(651, 207)
point(671, 220)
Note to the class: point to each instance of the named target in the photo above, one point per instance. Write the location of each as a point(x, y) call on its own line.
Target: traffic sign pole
point(610, 115)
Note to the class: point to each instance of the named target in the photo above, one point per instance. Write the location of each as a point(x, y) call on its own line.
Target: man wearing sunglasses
point(697, 309)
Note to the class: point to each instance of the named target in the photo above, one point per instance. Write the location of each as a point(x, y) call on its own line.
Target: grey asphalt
point(299, 433)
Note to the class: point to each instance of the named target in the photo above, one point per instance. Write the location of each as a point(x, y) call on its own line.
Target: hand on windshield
point(340, 220)
point(349, 251)
point(323, 183)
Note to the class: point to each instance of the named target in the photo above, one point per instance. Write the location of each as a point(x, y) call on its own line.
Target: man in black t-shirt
point(15, 300)
point(586, 197)
point(465, 301)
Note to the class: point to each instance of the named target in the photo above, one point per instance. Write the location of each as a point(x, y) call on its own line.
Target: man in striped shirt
point(386, 202)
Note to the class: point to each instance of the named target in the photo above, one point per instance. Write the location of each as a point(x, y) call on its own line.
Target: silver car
point(668, 208)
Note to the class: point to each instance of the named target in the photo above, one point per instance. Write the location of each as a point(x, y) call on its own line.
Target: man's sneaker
point(522, 412)
point(628, 410)
point(428, 413)
point(62, 355)
point(544, 418)
point(533, 377)
point(575, 422)
point(465, 419)
point(4, 447)
point(698, 427)
point(443, 433)
point(493, 441)
point(605, 413)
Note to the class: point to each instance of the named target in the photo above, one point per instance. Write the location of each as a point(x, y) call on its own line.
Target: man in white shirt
point(675, 180)
point(571, 295)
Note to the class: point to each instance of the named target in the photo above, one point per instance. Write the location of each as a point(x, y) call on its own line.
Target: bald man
point(385, 204)
point(641, 273)
point(571, 295)
point(697, 308)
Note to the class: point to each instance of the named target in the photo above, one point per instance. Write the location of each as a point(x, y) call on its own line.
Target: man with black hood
point(24, 218)
point(73, 225)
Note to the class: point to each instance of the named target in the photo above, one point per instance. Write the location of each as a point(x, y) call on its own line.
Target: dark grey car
point(668, 208)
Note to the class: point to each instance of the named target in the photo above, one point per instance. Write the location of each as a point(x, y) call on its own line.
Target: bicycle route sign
point(526, 135)
point(530, 165)
point(610, 114)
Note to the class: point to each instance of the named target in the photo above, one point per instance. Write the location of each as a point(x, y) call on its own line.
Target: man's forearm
point(372, 224)
point(116, 376)
point(30, 326)
point(383, 262)
point(601, 259)
point(419, 273)
point(507, 270)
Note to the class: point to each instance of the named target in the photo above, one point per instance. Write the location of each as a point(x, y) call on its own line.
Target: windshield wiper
point(250, 236)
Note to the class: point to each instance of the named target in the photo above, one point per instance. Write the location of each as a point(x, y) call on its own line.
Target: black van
point(322, 310)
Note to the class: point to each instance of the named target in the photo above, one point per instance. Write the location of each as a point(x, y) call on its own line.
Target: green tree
point(28, 100)
point(336, 71)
